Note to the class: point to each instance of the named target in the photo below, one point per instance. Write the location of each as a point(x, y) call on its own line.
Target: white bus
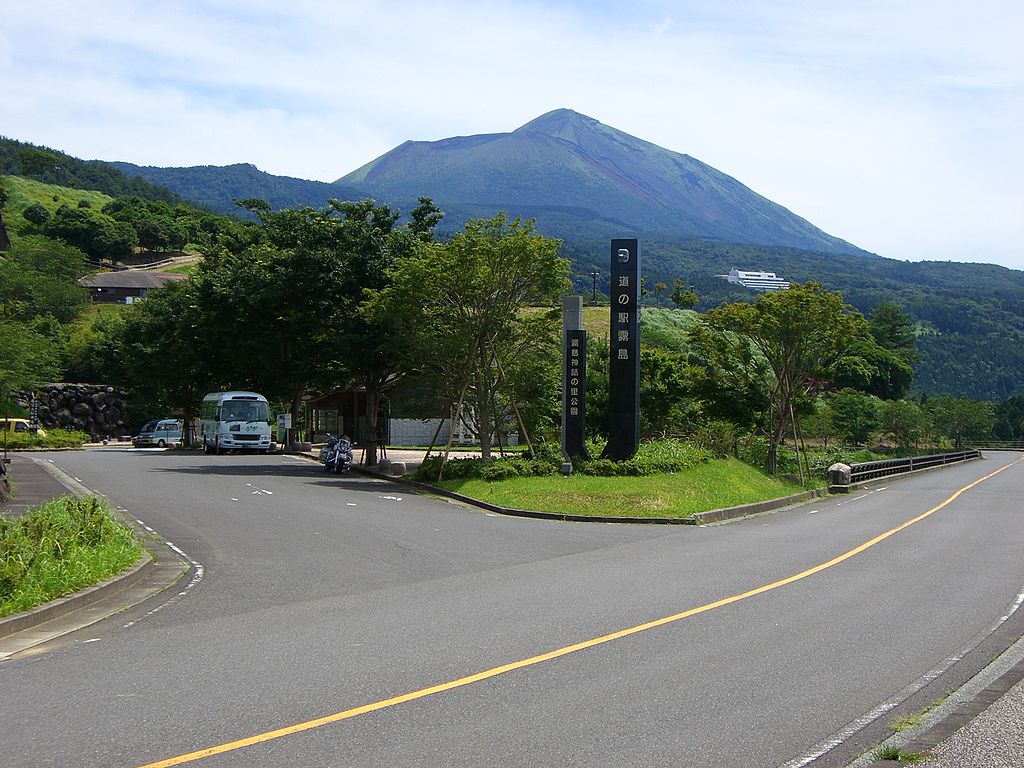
point(235, 421)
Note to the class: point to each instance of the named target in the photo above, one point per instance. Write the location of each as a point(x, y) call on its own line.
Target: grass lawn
point(712, 485)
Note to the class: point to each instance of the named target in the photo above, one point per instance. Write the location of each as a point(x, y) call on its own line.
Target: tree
point(98, 235)
point(874, 369)
point(855, 415)
point(961, 419)
point(460, 306)
point(802, 334)
point(36, 214)
point(38, 278)
point(29, 357)
point(166, 349)
point(893, 330)
point(684, 297)
point(344, 250)
point(905, 421)
point(1009, 419)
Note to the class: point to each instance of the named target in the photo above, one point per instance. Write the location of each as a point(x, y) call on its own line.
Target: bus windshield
point(244, 410)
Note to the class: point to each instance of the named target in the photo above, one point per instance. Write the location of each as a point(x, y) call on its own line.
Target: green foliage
point(652, 458)
point(1009, 419)
point(683, 297)
point(904, 421)
point(457, 308)
point(60, 547)
point(54, 438)
point(802, 335)
point(961, 419)
point(53, 167)
point(855, 415)
point(37, 214)
point(96, 234)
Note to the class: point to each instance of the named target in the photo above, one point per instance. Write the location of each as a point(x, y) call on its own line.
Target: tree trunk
point(370, 454)
point(293, 433)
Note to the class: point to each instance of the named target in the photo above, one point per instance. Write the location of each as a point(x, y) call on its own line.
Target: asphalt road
point(318, 603)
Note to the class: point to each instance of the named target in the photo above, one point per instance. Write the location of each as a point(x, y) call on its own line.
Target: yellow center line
point(559, 652)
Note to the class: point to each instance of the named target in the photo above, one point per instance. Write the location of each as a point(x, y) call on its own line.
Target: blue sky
point(895, 125)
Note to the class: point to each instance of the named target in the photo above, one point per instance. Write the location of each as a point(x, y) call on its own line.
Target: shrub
point(718, 437)
point(55, 438)
point(655, 457)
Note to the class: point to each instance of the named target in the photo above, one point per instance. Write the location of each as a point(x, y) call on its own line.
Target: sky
point(893, 124)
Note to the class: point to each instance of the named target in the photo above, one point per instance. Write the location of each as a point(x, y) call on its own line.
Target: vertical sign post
point(624, 342)
point(574, 378)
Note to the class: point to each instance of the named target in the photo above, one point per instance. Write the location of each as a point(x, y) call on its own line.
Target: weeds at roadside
point(899, 755)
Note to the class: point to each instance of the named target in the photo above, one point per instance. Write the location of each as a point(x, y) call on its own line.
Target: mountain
point(585, 183)
point(218, 186)
point(578, 178)
point(569, 171)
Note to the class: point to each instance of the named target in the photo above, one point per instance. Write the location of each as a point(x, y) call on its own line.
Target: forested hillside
point(969, 317)
point(18, 158)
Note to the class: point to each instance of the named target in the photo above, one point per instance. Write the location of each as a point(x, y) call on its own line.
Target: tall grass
point(58, 548)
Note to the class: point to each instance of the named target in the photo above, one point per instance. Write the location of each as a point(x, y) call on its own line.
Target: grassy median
point(59, 547)
point(713, 484)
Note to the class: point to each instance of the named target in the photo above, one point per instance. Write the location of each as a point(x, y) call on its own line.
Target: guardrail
point(872, 470)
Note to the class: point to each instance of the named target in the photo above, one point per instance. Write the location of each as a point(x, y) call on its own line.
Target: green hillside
point(51, 166)
point(25, 192)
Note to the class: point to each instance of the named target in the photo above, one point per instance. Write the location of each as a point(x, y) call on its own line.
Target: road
point(346, 622)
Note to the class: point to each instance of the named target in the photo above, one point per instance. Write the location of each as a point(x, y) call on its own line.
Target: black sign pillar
point(624, 342)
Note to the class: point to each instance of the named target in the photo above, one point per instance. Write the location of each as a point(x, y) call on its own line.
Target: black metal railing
point(869, 470)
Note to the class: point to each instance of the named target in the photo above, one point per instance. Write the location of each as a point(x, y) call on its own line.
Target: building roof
point(129, 278)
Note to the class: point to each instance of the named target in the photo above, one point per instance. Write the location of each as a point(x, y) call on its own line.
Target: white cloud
point(891, 125)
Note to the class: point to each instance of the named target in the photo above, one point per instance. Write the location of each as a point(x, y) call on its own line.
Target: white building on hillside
point(758, 281)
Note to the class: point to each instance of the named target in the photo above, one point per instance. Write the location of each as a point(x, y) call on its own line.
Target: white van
point(235, 421)
point(160, 433)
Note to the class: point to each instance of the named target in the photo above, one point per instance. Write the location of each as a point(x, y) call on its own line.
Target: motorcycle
point(336, 454)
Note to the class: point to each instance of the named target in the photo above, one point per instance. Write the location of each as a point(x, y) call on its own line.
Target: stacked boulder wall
point(95, 409)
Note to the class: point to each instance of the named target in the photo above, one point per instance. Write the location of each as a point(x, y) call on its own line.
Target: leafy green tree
point(961, 419)
point(855, 415)
point(36, 214)
point(893, 329)
point(38, 278)
point(802, 334)
point(98, 235)
point(876, 370)
point(165, 350)
point(905, 421)
point(684, 297)
point(29, 358)
point(337, 253)
point(820, 422)
point(666, 404)
point(1009, 419)
point(459, 306)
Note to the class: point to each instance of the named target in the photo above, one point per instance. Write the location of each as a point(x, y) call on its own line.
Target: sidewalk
point(32, 485)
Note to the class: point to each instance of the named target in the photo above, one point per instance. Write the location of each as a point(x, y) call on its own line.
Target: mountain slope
point(564, 165)
point(218, 186)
